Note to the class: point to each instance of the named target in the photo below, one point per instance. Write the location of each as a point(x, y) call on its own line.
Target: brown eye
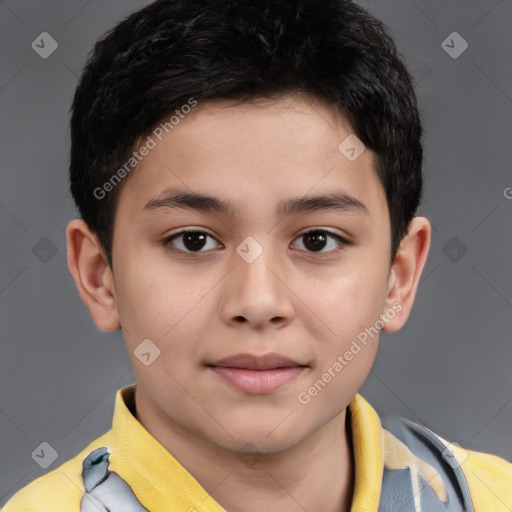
point(194, 240)
point(317, 240)
point(190, 241)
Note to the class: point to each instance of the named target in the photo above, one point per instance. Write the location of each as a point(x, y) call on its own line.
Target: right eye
point(188, 241)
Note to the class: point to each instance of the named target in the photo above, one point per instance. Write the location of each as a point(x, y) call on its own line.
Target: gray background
point(449, 367)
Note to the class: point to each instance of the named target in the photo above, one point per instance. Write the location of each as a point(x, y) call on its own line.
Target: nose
point(257, 294)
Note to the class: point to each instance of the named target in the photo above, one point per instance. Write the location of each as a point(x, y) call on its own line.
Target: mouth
point(257, 374)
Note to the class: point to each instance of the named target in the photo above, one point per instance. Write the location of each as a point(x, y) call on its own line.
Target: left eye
point(318, 239)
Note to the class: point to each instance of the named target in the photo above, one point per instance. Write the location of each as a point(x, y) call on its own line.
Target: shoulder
point(60, 490)
point(444, 472)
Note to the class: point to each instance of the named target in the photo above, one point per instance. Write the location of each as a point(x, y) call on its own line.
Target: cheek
point(164, 305)
point(349, 302)
point(350, 306)
point(166, 308)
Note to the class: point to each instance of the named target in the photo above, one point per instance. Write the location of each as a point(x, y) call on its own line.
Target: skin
point(306, 305)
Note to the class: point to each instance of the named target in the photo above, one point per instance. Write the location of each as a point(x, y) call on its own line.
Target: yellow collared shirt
point(128, 470)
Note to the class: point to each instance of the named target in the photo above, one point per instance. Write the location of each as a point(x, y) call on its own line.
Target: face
point(257, 298)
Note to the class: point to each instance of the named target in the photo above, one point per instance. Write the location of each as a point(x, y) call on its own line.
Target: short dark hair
point(156, 59)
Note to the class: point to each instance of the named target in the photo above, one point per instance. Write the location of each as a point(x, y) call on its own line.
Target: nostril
point(240, 319)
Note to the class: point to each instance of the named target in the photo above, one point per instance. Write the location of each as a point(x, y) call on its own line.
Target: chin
point(262, 438)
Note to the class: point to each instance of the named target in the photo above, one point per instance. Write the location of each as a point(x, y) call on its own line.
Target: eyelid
point(188, 230)
point(329, 231)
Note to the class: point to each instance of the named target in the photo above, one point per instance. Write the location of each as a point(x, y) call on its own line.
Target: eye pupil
point(318, 239)
point(194, 240)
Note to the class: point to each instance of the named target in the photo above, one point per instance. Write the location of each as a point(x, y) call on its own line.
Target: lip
point(254, 362)
point(257, 374)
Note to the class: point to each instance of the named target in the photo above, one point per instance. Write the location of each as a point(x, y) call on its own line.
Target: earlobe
point(92, 275)
point(406, 272)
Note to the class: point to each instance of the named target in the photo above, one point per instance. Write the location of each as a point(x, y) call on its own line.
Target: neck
point(316, 474)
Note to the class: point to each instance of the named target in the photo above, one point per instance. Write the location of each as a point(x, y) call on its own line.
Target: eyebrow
point(175, 198)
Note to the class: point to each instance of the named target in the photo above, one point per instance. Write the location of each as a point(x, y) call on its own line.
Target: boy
point(247, 175)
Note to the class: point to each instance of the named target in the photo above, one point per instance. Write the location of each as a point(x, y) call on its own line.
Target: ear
point(92, 274)
point(405, 273)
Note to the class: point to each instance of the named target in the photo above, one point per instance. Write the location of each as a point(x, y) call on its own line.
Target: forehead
point(255, 155)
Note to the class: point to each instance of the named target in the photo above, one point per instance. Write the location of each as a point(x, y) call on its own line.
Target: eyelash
point(167, 241)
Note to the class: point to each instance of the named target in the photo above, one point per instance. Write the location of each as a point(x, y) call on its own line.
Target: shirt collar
point(143, 460)
point(138, 454)
point(367, 448)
